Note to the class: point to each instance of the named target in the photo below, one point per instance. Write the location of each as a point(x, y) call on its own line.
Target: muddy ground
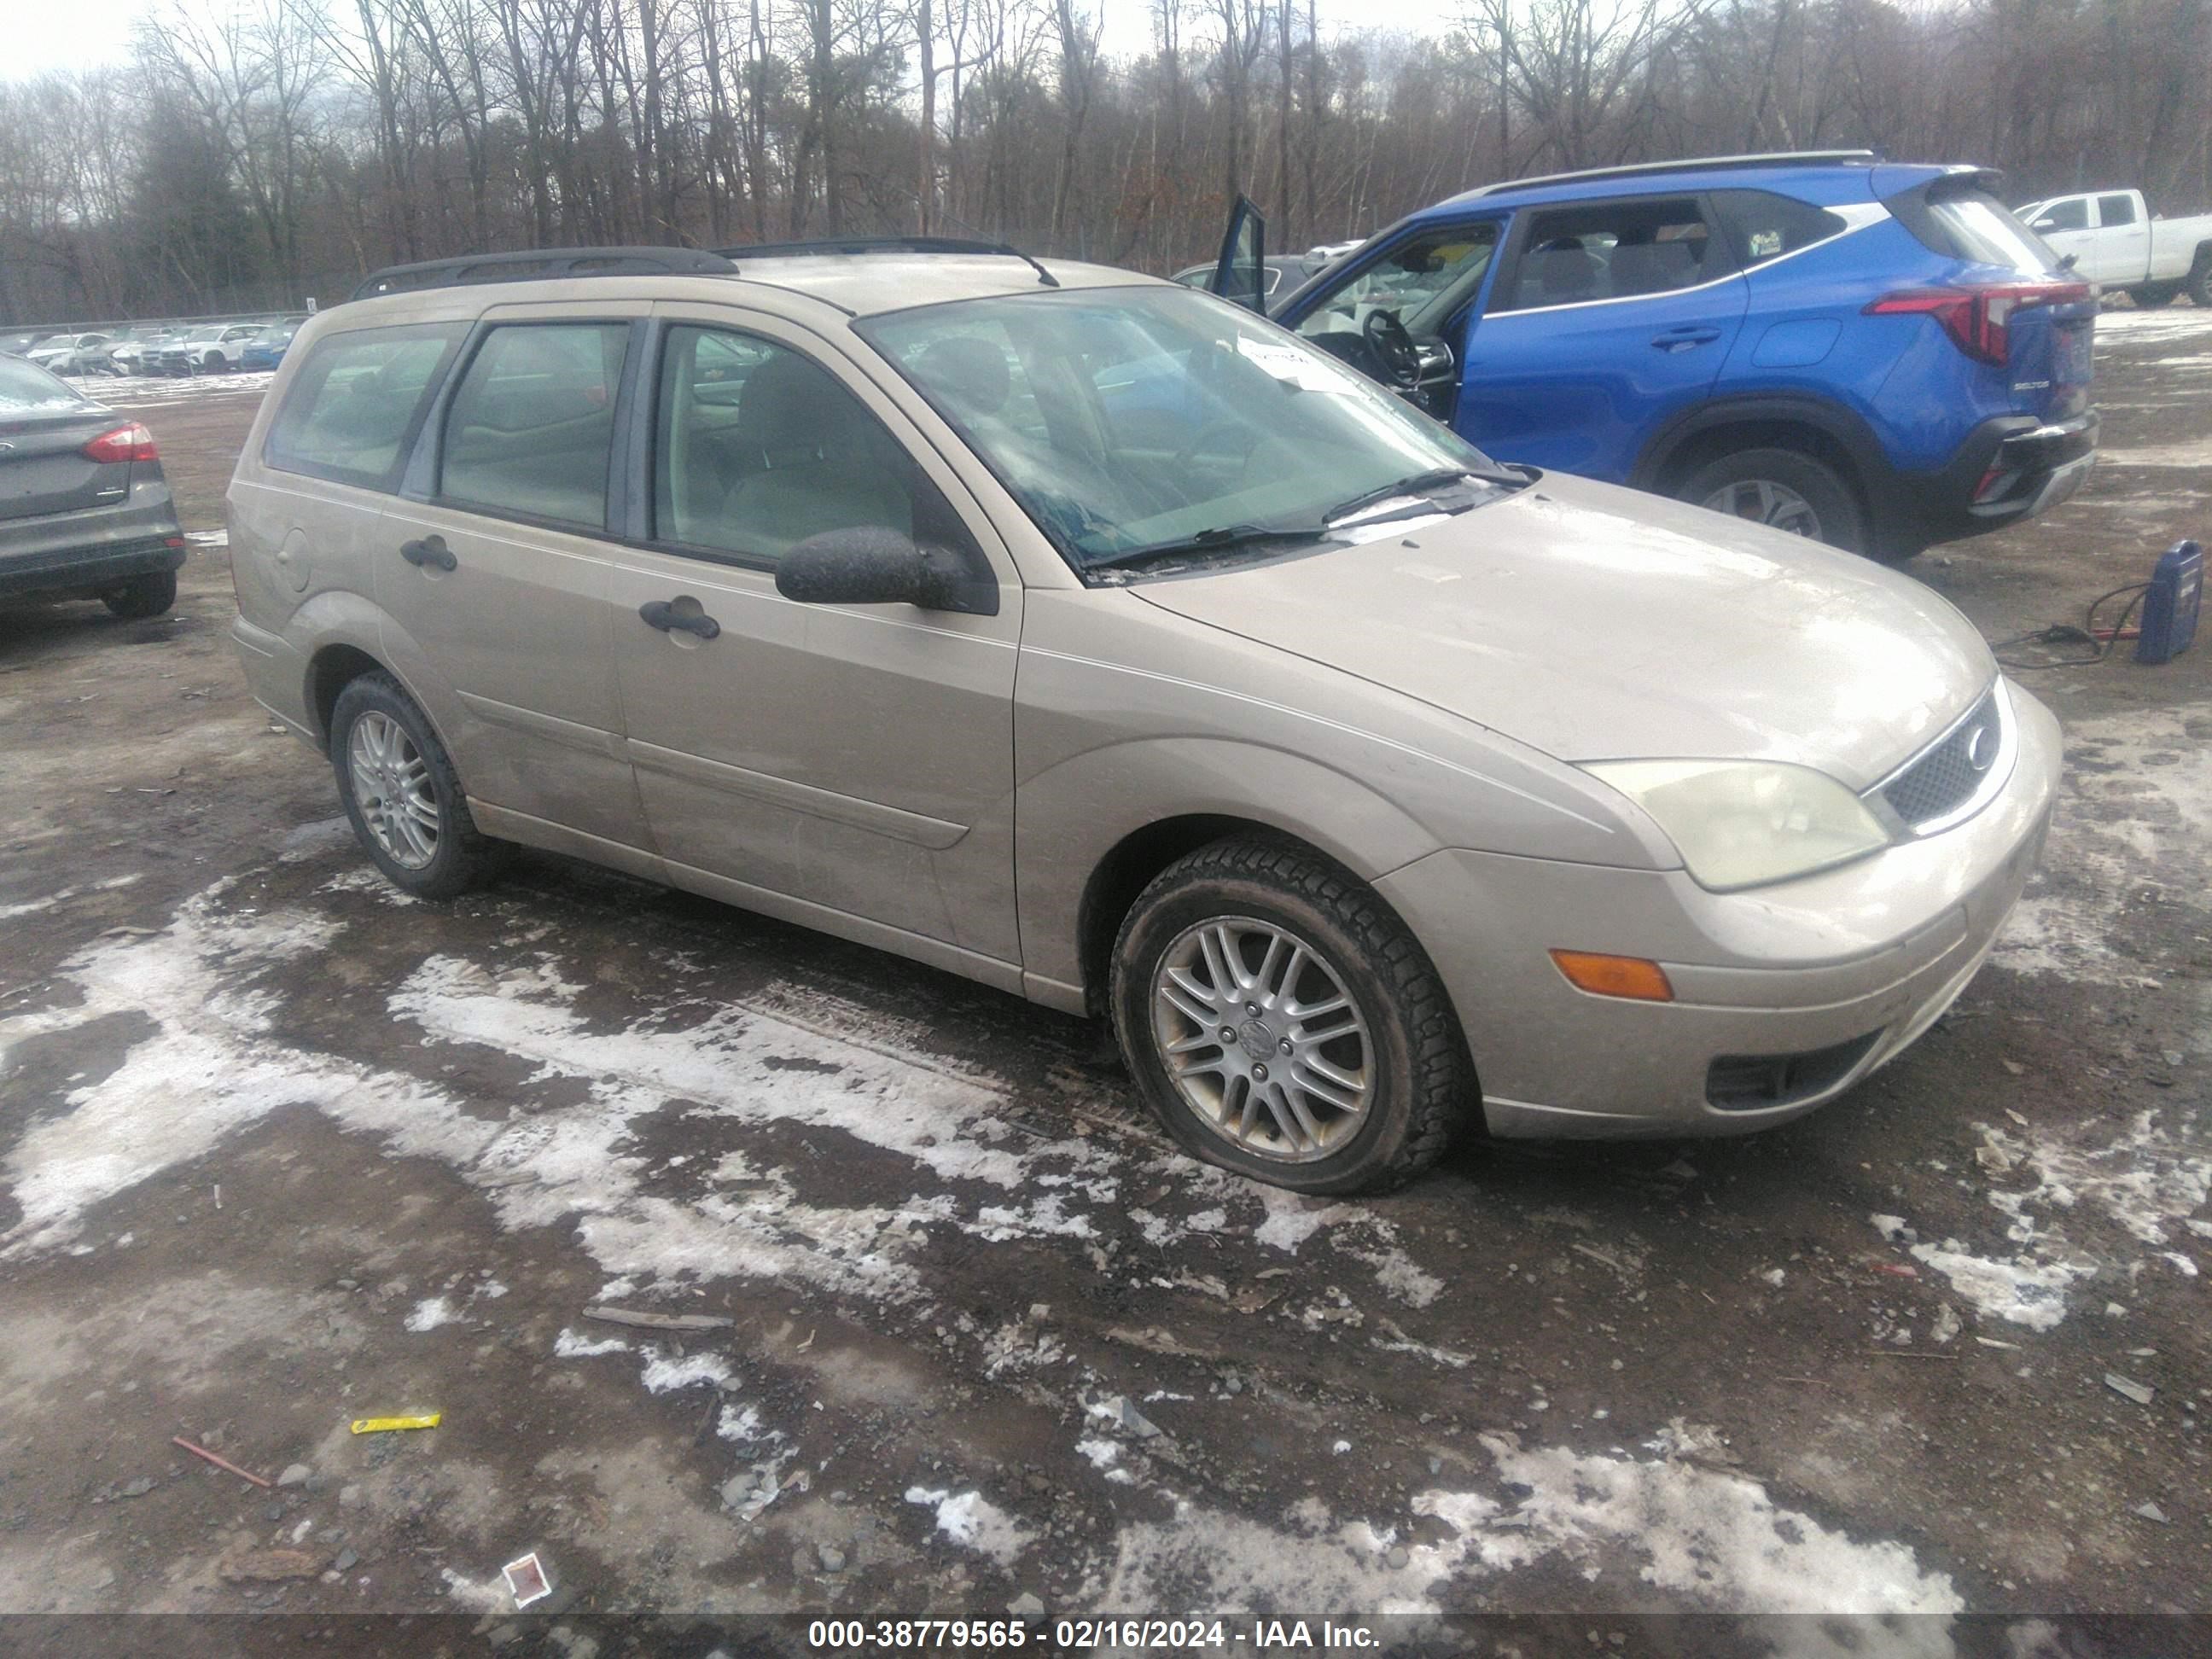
point(282, 1149)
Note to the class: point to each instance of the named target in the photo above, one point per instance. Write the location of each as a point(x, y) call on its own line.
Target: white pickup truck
point(2117, 244)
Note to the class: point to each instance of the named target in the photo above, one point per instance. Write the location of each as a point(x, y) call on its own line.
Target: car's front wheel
point(1284, 1023)
point(1783, 488)
point(2152, 296)
point(402, 794)
point(149, 595)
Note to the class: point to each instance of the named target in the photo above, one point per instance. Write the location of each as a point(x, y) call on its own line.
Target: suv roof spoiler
point(889, 244)
point(1794, 158)
point(544, 265)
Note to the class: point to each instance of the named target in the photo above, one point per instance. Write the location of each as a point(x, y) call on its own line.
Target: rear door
point(2122, 241)
point(494, 566)
point(1607, 317)
point(44, 428)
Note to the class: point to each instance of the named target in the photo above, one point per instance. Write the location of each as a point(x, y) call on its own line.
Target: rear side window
point(1613, 251)
point(357, 401)
point(1761, 226)
point(2116, 211)
point(532, 424)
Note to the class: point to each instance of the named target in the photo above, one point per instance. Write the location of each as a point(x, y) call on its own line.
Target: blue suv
point(1876, 355)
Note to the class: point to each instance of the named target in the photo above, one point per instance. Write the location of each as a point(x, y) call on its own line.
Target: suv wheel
point(1783, 488)
point(400, 789)
point(1282, 1023)
point(2200, 281)
point(149, 595)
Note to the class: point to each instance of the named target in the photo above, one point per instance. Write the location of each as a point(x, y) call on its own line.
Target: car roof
point(1823, 177)
point(858, 284)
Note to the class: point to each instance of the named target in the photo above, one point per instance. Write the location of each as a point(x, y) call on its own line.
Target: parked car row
point(199, 349)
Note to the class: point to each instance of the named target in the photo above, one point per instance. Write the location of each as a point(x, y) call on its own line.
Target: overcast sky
point(46, 35)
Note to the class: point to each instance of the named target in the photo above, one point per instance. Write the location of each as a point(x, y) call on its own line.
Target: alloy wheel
point(1763, 502)
point(1260, 1036)
point(391, 786)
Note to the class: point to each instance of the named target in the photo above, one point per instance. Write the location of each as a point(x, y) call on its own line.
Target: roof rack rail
point(889, 244)
point(543, 264)
point(1800, 158)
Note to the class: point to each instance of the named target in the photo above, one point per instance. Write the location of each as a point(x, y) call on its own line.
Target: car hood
point(1601, 623)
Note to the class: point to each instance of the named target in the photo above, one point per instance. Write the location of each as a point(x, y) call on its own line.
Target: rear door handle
point(1681, 339)
point(431, 549)
point(662, 615)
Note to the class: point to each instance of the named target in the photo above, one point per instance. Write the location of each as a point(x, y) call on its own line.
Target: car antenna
point(1045, 279)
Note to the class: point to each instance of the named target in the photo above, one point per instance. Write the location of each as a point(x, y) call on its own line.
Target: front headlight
point(1745, 823)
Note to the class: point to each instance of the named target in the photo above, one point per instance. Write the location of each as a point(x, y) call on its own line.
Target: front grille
point(1944, 777)
point(1750, 1083)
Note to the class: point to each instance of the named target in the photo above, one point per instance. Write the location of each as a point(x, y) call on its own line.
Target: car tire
point(1784, 488)
point(141, 597)
point(391, 767)
point(1399, 1044)
point(2200, 281)
point(2155, 296)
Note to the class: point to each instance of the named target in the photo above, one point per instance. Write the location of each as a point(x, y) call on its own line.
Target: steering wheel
point(1394, 349)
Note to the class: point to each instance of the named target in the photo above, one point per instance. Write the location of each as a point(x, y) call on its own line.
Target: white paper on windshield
point(1289, 364)
point(1359, 534)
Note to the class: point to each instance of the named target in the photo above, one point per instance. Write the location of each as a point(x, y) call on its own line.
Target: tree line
point(252, 156)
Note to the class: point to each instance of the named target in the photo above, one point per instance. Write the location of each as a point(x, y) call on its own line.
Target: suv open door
point(1241, 273)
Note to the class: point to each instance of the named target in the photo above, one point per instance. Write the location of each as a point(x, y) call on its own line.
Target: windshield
point(1126, 419)
point(1978, 228)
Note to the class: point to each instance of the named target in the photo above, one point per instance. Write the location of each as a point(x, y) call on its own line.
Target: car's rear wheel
point(2152, 296)
point(402, 794)
point(2200, 281)
point(1284, 1023)
point(1783, 488)
point(149, 595)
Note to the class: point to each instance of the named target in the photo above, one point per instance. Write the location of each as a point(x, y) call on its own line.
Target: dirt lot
point(282, 1149)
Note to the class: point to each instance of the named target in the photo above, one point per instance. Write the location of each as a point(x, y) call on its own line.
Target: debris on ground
point(1026, 1606)
point(268, 1566)
point(392, 1425)
point(659, 1322)
point(296, 1474)
point(528, 1579)
point(2141, 1393)
point(220, 1462)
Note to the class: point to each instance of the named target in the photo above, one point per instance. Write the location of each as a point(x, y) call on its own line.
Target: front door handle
point(664, 616)
point(1681, 339)
point(431, 549)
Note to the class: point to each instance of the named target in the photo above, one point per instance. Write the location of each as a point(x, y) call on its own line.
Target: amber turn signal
point(1615, 976)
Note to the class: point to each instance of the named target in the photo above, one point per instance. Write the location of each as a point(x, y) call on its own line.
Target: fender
point(1077, 812)
point(1832, 419)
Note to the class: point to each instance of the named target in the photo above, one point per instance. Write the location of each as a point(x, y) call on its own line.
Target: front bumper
point(1842, 970)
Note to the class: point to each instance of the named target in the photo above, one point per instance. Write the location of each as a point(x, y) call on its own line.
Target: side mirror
point(870, 565)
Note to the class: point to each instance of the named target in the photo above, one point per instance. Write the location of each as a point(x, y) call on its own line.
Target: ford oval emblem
point(1981, 748)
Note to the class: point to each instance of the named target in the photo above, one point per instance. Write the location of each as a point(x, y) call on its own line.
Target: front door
point(494, 566)
point(1609, 318)
point(856, 759)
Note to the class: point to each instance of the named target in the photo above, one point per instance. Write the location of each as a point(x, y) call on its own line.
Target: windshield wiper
point(1216, 539)
point(1420, 484)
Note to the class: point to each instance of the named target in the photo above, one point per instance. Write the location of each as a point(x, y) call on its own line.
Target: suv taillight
point(1975, 317)
point(125, 443)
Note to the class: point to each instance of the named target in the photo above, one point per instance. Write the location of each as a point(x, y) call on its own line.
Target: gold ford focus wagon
point(1098, 640)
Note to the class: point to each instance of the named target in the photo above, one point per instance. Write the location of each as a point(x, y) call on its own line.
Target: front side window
point(2116, 211)
point(1613, 251)
point(1409, 278)
point(356, 400)
point(531, 425)
point(757, 447)
point(1133, 421)
point(2072, 214)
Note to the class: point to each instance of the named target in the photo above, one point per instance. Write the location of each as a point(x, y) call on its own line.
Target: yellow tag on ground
point(380, 1424)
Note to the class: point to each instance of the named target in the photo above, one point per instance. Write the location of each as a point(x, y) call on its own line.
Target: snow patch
point(971, 1520)
point(431, 1312)
point(2023, 1292)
